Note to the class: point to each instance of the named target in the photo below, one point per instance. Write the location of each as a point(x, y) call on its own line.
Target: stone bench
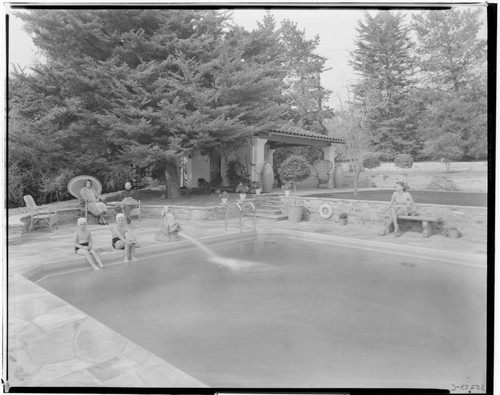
point(430, 225)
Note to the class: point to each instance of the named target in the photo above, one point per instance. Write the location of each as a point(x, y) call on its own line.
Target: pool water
point(307, 315)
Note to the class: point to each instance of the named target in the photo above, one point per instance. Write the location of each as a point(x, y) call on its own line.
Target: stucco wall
point(200, 168)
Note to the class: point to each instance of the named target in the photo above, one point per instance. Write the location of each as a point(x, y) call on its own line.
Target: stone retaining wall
point(471, 221)
point(186, 212)
point(20, 224)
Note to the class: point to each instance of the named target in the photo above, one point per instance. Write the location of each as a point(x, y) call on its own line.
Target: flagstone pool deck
point(52, 343)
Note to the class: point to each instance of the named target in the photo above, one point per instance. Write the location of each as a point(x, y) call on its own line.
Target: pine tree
point(452, 62)
point(450, 54)
point(149, 86)
point(383, 60)
point(303, 91)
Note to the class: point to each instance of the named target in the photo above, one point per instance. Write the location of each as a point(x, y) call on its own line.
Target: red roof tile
point(296, 131)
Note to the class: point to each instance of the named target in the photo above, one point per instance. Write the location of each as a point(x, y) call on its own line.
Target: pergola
point(265, 143)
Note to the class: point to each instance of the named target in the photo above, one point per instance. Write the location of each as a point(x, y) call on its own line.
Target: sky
point(336, 29)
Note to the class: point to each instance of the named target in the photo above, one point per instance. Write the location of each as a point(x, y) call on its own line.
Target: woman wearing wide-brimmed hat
point(94, 202)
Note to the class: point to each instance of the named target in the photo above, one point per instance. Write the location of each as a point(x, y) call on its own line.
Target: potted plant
point(294, 169)
point(454, 233)
point(287, 187)
point(224, 197)
point(242, 190)
point(256, 187)
point(343, 218)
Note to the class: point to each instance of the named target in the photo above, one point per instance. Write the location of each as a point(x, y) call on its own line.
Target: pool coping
point(62, 373)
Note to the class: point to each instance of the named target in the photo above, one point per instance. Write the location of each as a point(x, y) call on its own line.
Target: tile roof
point(296, 131)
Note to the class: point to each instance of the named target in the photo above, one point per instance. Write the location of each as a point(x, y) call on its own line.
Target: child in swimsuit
point(82, 240)
point(123, 238)
point(169, 226)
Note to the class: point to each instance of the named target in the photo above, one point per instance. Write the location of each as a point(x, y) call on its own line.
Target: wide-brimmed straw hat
point(78, 182)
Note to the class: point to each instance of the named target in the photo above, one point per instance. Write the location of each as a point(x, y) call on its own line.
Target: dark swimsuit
point(82, 244)
point(113, 242)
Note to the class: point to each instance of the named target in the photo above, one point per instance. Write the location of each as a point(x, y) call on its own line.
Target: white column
point(258, 157)
point(329, 154)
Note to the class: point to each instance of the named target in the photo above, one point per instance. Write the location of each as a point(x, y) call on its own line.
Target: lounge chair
point(37, 213)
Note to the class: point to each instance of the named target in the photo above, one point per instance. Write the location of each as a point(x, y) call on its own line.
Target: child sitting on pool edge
point(123, 238)
point(169, 226)
point(82, 241)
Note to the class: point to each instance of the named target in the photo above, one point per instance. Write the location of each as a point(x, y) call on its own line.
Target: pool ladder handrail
point(240, 209)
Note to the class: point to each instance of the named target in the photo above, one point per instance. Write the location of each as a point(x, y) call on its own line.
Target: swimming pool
point(301, 311)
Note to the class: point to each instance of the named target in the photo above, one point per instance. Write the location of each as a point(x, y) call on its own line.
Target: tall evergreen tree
point(303, 90)
point(450, 54)
point(384, 62)
point(452, 62)
point(151, 86)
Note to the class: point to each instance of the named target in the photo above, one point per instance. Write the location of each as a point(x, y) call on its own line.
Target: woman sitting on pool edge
point(82, 240)
point(123, 238)
point(401, 204)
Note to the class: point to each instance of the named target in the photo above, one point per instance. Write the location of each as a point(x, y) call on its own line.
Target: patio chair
point(323, 171)
point(40, 213)
point(76, 184)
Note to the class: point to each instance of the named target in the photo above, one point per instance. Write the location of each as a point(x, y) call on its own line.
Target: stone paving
point(51, 343)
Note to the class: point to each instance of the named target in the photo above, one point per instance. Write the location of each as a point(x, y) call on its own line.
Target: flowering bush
point(224, 195)
point(255, 185)
point(242, 188)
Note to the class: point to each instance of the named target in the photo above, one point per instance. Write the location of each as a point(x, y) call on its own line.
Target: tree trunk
point(172, 181)
point(357, 171)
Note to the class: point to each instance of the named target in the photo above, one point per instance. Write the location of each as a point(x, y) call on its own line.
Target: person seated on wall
point(169, 226)
point(94, 202)
point(123, 238)
point(82, 241)
point(401, 204)
point(204, 186)
point(128, 203)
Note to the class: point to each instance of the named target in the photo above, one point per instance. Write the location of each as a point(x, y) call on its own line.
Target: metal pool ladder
point(240, 210)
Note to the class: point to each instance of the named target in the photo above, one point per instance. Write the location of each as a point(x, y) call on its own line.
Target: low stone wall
point(186, 212)
point(20, 224)
point(471, 221)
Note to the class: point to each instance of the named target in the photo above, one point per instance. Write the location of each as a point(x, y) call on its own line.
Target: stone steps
point(268, 207)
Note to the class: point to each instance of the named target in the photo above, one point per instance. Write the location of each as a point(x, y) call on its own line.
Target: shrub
point(403, 161)
point(441, 183)
point(371, 161)
point(295, 168)
point(237, 173)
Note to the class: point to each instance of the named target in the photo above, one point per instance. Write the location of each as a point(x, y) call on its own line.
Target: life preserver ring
point(325, 211)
